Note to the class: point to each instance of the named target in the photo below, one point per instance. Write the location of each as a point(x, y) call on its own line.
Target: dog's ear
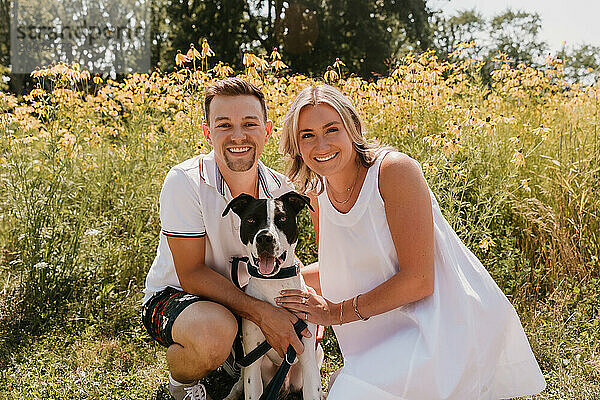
point(296, 201)
point(238, 204)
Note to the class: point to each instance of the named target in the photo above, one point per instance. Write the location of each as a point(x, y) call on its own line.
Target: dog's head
point(268, 228)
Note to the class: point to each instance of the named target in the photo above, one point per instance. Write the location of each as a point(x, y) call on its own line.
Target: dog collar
point(283, 273)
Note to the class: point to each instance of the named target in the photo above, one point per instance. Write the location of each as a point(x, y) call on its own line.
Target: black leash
point(272, 389)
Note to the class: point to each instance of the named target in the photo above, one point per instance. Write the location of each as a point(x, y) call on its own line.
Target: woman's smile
point(326, 158)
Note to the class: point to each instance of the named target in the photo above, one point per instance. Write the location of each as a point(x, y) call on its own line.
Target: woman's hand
point(309, 306)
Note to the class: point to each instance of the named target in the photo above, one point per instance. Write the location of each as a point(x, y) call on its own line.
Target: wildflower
point(542, 131)
point(84, 76)
point(253, 73)
point(193, 53)
point(67, 141)
point(97, 80)
point(206, 50)
point(37, 92)
point(331, 75)
point(222, 70)
point(275, 54)
point(260, 62)
point(246, 59)
point(278, 65)
point(525, 184)
point(518, 159)
point(92, 232)
point(338, 63)
point(486, 243)
point(180, 59)
point(430, 168)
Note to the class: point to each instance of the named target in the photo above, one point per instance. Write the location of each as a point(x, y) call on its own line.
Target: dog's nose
point(264, 239)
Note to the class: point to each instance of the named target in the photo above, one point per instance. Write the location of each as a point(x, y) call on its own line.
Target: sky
point(574, 21)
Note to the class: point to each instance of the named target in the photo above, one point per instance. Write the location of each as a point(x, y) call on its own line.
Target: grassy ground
point(515, 168)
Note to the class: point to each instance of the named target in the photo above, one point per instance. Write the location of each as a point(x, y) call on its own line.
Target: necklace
point(349, 189)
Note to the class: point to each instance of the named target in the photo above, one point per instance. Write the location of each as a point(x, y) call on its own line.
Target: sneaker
point(192, 391)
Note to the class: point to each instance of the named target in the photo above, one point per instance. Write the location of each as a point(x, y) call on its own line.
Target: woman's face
point(324, 143)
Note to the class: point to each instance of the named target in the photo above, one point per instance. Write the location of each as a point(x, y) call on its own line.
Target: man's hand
point(277, 325)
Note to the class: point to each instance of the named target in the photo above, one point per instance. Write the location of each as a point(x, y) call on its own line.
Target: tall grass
point(515, 167)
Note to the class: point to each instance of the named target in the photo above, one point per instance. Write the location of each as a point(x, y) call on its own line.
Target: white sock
point(176, 383)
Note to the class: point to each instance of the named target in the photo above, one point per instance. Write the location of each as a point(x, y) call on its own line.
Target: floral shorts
point(159, 313)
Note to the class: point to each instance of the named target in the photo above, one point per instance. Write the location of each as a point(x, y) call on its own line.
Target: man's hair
point(232, 87)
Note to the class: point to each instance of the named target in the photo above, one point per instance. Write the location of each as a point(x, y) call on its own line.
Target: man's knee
point(207, 330)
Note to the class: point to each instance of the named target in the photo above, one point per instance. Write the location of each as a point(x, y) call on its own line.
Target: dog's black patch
point(253, 216)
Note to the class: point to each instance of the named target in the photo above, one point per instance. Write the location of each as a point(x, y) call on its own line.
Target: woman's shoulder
point(400, 175)
point(396, 164)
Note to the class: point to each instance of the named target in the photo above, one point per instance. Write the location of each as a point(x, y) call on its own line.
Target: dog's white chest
point(268, 289)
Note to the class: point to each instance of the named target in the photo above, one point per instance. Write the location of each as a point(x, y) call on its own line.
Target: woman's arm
point(409, 216)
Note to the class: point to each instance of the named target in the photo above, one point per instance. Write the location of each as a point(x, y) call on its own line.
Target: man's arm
point(197, 278)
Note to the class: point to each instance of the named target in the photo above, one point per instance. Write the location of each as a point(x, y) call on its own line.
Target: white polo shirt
point(192, 200)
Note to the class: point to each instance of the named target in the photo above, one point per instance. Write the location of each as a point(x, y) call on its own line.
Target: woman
point(415, 313)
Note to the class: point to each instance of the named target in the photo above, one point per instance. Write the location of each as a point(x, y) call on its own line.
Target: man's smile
point(239, 150)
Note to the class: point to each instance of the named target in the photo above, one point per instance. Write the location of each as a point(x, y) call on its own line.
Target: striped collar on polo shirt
point(210, 174)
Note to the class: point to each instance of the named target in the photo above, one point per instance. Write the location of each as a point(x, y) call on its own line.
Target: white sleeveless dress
point(463, 342)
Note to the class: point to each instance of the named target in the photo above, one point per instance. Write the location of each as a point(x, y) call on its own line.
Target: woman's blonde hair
point(315, 94)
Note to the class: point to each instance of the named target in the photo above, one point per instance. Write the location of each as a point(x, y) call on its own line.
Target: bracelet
point(342, 312)
point(354, 304)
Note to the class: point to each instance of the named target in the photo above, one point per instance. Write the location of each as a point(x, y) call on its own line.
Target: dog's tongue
point(266, 265)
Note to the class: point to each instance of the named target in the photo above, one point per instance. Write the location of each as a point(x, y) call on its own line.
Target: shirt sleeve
point(180, 207)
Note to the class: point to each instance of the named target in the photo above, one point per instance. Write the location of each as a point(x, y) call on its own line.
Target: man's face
point(237, 131)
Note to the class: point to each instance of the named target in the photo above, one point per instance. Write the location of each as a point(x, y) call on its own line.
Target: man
point(190, 303)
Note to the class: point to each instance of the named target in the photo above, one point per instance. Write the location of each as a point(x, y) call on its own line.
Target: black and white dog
point(269, 231)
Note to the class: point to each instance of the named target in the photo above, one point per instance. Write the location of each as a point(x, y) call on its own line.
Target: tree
point(515, 33)
point(224, 23)
point(450, 31)
point(4, 32)
point(363, 33)
point(581, 63)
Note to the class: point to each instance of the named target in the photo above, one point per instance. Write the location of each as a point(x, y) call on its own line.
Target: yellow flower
point(222, 70)
point(275, 54)
point(246, 59)
point(180, 59)
point(261, 63)
point(278, 65)
point(430, 168)
point(206, 50)
point(37, 92)
point(193, 53)
point(331, 75)
point(97, 80)
point(338, 63)
point(253, 73)
point(518, 159)
point(486, 243)
point(67, 141)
